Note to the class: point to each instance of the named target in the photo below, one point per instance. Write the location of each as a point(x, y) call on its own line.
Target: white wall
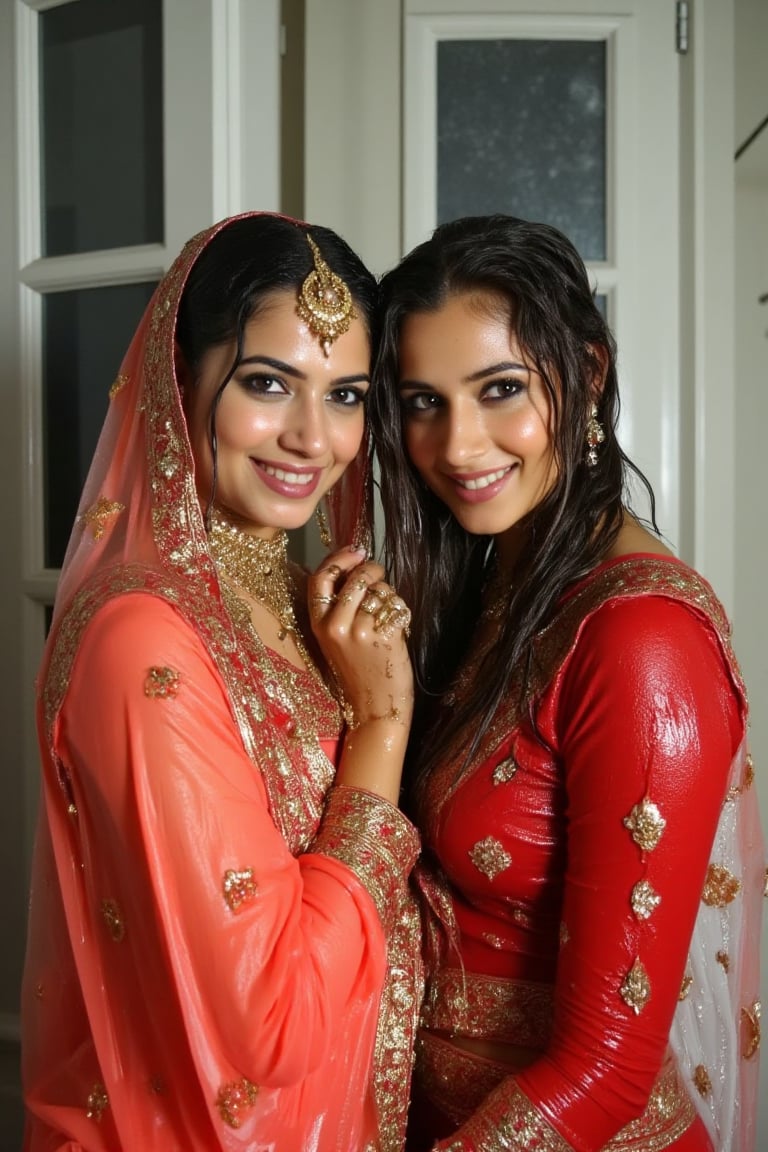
point(751, 394)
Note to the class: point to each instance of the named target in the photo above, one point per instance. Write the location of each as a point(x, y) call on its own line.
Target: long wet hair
point(243, 266)
point(534, 271)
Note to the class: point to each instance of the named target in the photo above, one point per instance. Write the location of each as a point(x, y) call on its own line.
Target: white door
point(549, 112)
point(124, 128)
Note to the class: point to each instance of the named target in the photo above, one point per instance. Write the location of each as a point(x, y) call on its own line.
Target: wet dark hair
point(250, 259)
point(534, 272)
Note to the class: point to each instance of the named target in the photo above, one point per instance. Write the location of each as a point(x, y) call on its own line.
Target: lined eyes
point(418, 403)
point(265, 386)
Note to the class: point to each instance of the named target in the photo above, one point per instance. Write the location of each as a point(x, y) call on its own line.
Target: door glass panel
point(101, 125)
point(522, 129)
point(85, 334)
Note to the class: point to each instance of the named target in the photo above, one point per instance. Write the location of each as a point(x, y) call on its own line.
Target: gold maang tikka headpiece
point(325, 302)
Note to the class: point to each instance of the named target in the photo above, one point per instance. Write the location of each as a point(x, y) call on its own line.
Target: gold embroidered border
point(375, 840)
point(508, 1122)
point(516, 1011)
point(396, 1032)
point(455, 1081)
point(497, 1116)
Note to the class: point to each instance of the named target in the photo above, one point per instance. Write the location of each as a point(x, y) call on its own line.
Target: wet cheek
point(348, 442)
point(529, 431)
point(248, 425)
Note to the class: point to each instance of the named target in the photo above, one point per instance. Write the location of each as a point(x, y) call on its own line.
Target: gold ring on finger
point(323, 599)
point(372, 604)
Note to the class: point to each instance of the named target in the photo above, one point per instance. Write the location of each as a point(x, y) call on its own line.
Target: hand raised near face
point(361, 625)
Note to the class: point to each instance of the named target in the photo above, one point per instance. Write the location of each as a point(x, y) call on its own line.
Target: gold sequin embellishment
point(720, 887)
point(747, 780)
point(238, 887)
point(117, 386)
point(685, 987)
point(113, 920)
point(97, 1102)
point(636, 989)
point(646, 824)
point(161, 683)
point(750, 1027)
point(702, 1080)
point(490, 857)
point(723, 960)
point(645, 900)
point(234, 1099)
point(98, 514)
point(505, 771)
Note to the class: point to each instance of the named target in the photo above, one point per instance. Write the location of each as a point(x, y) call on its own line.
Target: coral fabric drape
point(208, 966)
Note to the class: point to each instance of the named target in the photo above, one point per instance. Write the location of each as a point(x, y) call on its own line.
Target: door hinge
point(681, 26)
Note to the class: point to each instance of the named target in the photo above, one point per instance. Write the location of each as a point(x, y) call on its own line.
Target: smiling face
point(288, 423)
point(477, 415)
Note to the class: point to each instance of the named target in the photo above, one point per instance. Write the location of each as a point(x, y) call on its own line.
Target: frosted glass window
point(522, 129)
point(102, 125)
point(86, 333)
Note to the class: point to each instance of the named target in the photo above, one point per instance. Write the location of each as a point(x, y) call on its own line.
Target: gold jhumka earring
point(595, 435)
point(323, 527)
point(325, 302)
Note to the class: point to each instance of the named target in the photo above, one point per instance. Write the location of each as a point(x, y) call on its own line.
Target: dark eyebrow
point(504, 366)
point(492, 370)
point(289, 370)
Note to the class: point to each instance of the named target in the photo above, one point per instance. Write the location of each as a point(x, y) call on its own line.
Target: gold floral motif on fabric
point(505, 771)
point(238, 887)
point(97, 1103)
point(234, 1099)
point(746, 782)
point(750, 1030)
point(490, 857)
point(489, 1007)
point(685, 987)
point(162, 683)
point(636, 989)
point(100, 513)
point(723, 960)
point(702, 1080)
point(720, 886)
point(645, 900)
point(113, 920)
point(645, 824)
point(375, 840)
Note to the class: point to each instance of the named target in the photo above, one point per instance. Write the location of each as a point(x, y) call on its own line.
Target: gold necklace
point(260, 568)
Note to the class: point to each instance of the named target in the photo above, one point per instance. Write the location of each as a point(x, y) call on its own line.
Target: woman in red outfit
point(579, 768)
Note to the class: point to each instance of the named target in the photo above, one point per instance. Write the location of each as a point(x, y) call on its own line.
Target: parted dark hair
point(534, 273)
point(248, 260)
point(251, 258)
